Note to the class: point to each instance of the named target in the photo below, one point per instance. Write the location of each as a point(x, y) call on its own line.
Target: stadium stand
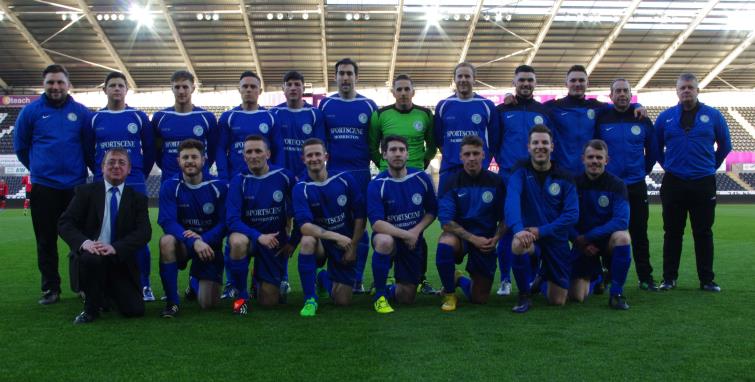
point(748, 177)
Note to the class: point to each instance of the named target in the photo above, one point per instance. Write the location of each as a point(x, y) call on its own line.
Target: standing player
point(632, 143)
point(183, 121)
point(541, 207)
point(259, 208)
point(693, 141)
point(415, 124)
point(26, 182)
point(602, 227)
point(464, 113)
point(236, 124)
point(330, 213)
point(470, 212)
point(192, 215)
point(45, 128)
point(119, 125)
point(516, 120)
point(296, 121)
point(401, 204)
point(347, 124)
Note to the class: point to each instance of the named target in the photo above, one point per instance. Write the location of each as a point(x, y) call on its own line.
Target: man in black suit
point(105, 241)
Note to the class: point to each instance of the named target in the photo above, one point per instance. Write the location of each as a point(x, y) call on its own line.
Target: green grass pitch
point(682, 335)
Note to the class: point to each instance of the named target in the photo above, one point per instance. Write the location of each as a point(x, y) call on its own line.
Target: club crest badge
point(554, 189)
point(132, 128)
point(342, 200)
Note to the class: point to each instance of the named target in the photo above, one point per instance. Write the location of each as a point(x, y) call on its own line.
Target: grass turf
point(684, 334)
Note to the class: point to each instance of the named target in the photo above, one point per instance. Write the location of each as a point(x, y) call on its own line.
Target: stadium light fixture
point(215, 16)
point(121, 17)
point(99, 17)
point(498, 17)
point(433, 16)
point(357, 16)
point(106, 17)
point(467, 17)
point(200, 16)
point(366, 16)
point(290, 16)
point(305, 16)
point(456, 17)
point(207, 16)
point(269, 16)
point(2, 16)
point(141, 15)
point(279, 16)
point(113, 16)
point(349, 16)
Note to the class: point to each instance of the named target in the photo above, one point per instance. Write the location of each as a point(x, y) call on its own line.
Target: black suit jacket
point(82, 221)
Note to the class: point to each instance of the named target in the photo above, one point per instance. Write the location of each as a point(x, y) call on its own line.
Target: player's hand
point(591, 250)
point(526, 238)
point(343, 242)
point(91, 247)
point(189, 234)
point(269, 240)
point(287, 250)
point(640, 112)
point(350, 256)
point(203, 250)
point(534, 231)
point(509, 99)
point(488, 245)
point(105, 249)
point(411, 239)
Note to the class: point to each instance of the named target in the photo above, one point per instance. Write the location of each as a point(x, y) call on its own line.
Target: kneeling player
point(401, 204)
point(330, 212)
point(470, 212)
point(541, 207)
point(602, 229)
point(259, 202)
point(192, 215)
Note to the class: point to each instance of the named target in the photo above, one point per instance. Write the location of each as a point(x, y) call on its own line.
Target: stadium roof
point(648, 42)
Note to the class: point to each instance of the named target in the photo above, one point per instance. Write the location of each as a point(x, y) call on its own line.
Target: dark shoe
point(170, 311)
point(667, 285)
point(426, 288)
point(648, 286)
point(523, 305)
point(618, 302)
point(84, 318)
point(537, 282)
point(710, 287)
point(190, 294)
point(49, 297)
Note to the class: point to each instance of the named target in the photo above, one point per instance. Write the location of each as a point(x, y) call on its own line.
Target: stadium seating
point(748, 177)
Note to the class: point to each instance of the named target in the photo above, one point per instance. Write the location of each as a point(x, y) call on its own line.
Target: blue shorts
point(337, 270)
point(556, 261)
point(407, 264)
point(204, 270)
point(267, 266)
point(589, 267)
point(478, 263)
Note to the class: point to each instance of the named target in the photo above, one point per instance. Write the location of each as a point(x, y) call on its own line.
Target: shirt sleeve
point(430, 200)
point(513, 205)
point(723, 140)
point(148, 143)
point(360, 204)
point(234, 209)
point(302, 213)
point(167, 216)
point(438, 126)
point(447, 207)
point(651, 146)
point(158, 139)
point(375, 209)
point(660, 139)
point(222, 153)
point(216, 234)
point(430, 146)
point(375, 135)
point(22, 136)
point(212, 138)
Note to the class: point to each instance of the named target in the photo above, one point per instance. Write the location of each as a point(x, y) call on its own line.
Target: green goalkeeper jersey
point(415, 124)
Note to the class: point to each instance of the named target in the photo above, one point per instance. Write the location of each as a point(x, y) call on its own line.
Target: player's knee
point(517, 247)
point(449, 239)
point(406, 293)
point(239, 244)
point(620, 238)
point(308, 245)
point(383, 243)
point(168, 244)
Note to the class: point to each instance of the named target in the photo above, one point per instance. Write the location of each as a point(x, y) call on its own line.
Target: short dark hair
point(55, 68)
point(293, 75)
point(539, 128)
point(348, 61)
point(114, 150)
point(465, 64)
point(191, 143)
point(312, 142)
point(596, 144)
point(576, 68)
point(619, 80)
point(524, 69)
point(392, 138)
point(182, 75)
point(687, 77)
point(256, 138)
point(472, 140)
point(249, 73)
point(403, 77)
point(112, 75)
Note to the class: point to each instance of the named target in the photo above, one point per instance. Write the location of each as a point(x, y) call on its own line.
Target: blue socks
point(363, 250)
point(522, 269)
point(620, 262)
point(381, 265)
point(307, 268)
point(239, 271)
point(391, 292)
point(227, 264)
point(444, 260)
point(169, 277)
point(143, 259)
point(324, 281)
point(505, 257)
point(466, 286)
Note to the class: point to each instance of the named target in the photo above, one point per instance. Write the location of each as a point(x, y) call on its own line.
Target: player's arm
point(438, 126)
point(22, 136)
point(212, 138)
point(74, 217)
point(494, 129)
point(723, 140)
point(89, 144)
point(159, 141)
point(167, 215)
point(233, 211)
point(147, 136)
point(222, 153)
point(660, 139)
point(375, 135)
point(569, 214)
point(430, 146)
point(303, 216)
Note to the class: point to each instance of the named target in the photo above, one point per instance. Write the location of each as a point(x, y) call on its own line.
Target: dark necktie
point(113, 212)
